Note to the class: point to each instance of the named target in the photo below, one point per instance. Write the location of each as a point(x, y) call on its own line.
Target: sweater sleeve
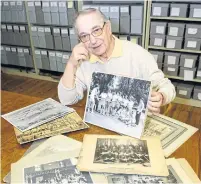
point(156, 76)
point(69, 96)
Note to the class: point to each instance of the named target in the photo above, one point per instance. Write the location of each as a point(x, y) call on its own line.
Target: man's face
point(92, 23)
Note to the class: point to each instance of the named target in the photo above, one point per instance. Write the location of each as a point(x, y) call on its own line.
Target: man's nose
point(92, 39)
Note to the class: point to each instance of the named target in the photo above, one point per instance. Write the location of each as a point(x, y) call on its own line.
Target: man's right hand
point(79, 53)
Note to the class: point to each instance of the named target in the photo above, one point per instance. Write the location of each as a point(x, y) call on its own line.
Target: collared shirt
point(127, 59)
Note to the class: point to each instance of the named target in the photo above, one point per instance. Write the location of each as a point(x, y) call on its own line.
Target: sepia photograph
point(122, 155)
point(118, 103)
point(58, 172)
point(68, 123)
point(139, 179)
point(172, 133)
point(121, 151)
point(36, 114)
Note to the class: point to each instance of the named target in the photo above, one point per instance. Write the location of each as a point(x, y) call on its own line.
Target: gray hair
point(88, 11)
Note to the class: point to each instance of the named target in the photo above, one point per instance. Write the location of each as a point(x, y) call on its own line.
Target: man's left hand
point(155, 102)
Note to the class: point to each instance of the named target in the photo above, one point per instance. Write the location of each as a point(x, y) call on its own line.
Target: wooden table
point(12, 151)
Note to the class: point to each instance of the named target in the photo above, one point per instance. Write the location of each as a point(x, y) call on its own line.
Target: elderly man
point(100, 51)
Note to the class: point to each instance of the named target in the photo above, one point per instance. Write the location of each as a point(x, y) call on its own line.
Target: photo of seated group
point(118, 103)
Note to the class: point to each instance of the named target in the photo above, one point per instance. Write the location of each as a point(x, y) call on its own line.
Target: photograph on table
point(36, 114)
point(122, 155)
point(121, 151)
point(68, 123)
point(172, 133)
point(62, 171)
point(118, 103)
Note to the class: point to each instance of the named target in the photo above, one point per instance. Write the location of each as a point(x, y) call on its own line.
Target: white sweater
point(135, 62)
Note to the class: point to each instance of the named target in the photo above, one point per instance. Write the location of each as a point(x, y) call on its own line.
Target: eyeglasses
point(96, 32)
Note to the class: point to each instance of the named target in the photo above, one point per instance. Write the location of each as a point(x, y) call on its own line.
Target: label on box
point(12, 3)
point(171, 43)
point(197, 12)
point(47, 30)
point(124, 9)
point(160, 29)
point(134, 40)
point(34, 28)
point(58, 54)
point(70, 4)
point(192, 31)
point(155, 57)
point(114, 9)
point(7, 48)
point(123, 37)
point(56, 30)
point(173, 31)
point(13, 49)
point(175, 12)
point(171, 60)
point(37, 52)
point(9, 27)
point(16, 28)
point(188, 63)
point(157, 11)
point(26, 50)
point(62, 4)
point(64, 31)
point(104, 9)
point(46, 4)
point(52, 54)
point(188, 75)
point(182, 92)
point(5, 3)
point(199, 73)
point(158, 41)
point(3, 26)
point(199, 96)
point(30, 4)
point(19, 3)
point(65, 56)
point(44, 52)
point(41, 29)
point(19, 50)
point(72, 31)
point(37, 3)
point(171, 69)
point(192, 44)
point(53, 4)
point(22, 28)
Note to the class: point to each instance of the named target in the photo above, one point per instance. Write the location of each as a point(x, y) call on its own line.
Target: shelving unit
point(184, 51)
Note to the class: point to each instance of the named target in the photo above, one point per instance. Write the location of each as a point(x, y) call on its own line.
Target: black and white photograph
point(118, 103)
point(141, 179)
point(59, 172)
point(36, 114)
point(114, 151)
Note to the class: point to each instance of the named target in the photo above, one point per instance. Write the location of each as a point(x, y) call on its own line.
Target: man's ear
point(109, 28)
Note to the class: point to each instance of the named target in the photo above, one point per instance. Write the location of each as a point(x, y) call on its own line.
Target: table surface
point(12, 151)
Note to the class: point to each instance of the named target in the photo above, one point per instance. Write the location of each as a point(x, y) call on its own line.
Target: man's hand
point(79, 53)
point(155, 102)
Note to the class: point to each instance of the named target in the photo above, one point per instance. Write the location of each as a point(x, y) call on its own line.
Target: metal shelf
point(15, 23)
point(12, 45)
point(176, 50)
point(177, 19)
point(52, 25)
point(180, 78)
point(191, 102)
point(53, 49)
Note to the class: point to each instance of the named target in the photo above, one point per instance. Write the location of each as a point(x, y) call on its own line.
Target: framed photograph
point(122, 154)
point(36, 114)
point(118, 103)
point(62, 171)
point(68, 123)
point(172, 133)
